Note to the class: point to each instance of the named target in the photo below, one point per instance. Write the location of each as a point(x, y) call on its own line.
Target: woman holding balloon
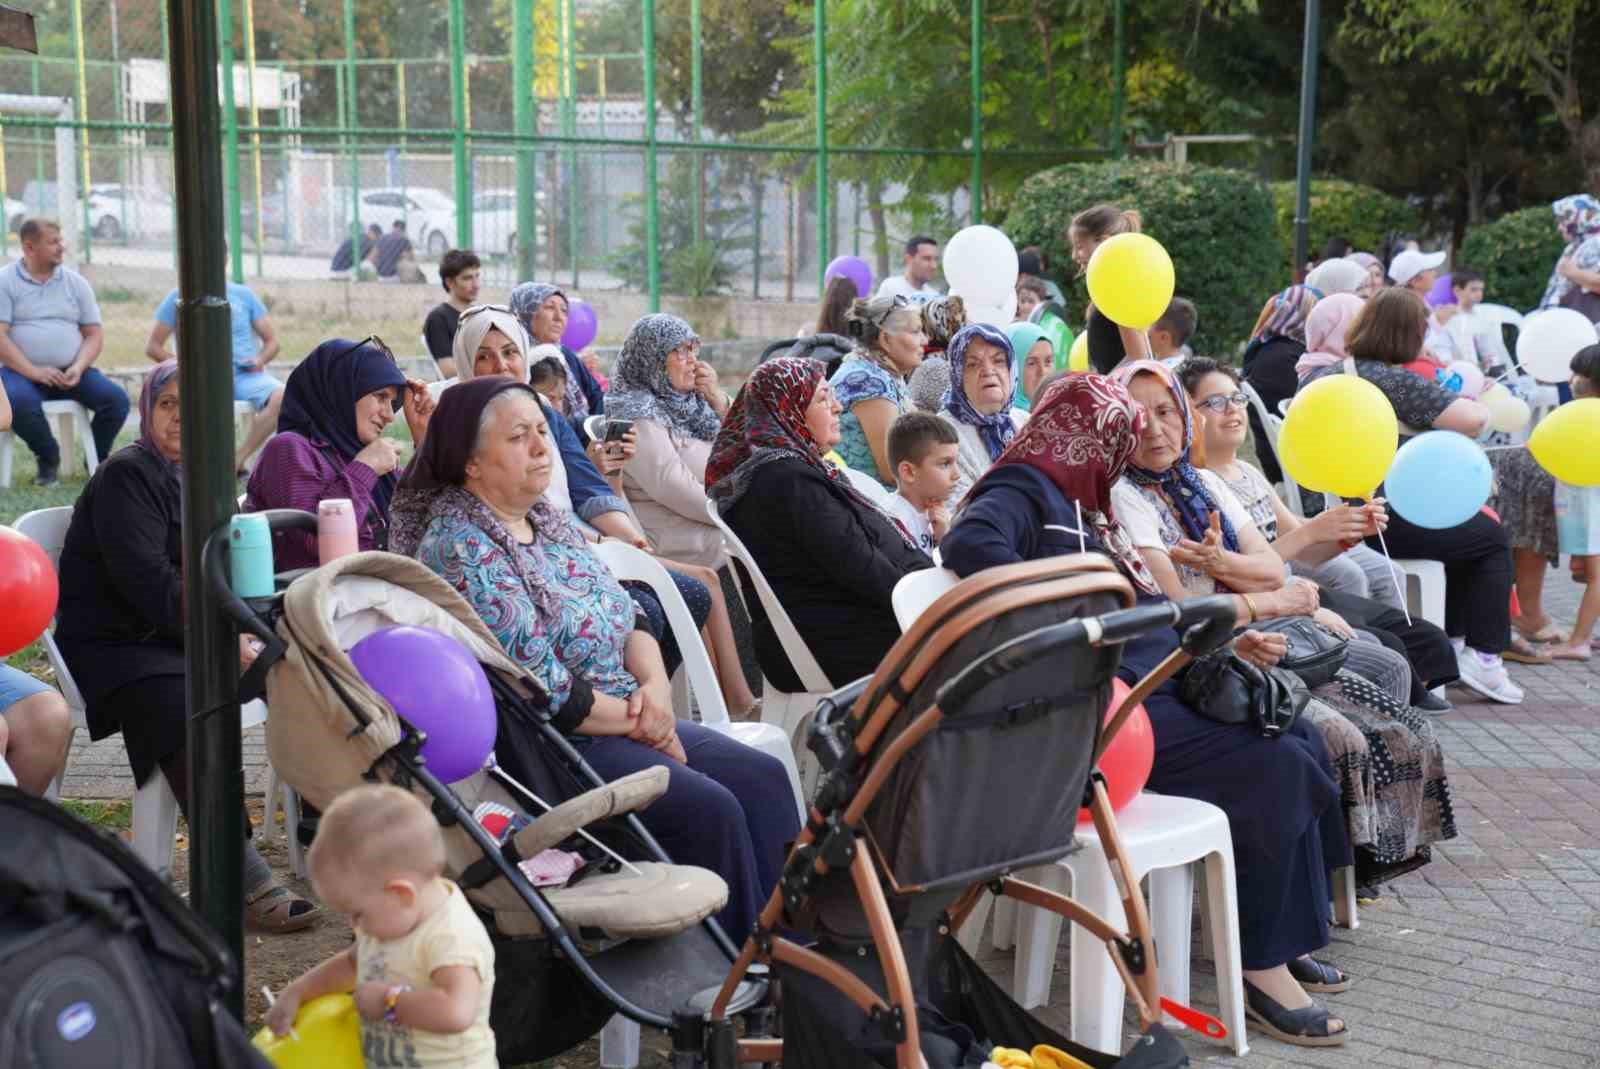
point(1050, 494)
point(544, 313)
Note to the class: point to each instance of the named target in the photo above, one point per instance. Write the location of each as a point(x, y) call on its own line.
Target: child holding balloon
point(1578, 524)
point(421, 970)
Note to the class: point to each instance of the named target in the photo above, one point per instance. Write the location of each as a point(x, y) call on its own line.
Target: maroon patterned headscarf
point(1081, 436)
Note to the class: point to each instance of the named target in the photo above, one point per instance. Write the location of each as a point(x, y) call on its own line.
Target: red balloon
point(27, 591)
point(1127, 761)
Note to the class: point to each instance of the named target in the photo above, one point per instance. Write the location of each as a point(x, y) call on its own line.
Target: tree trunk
point(880, 230)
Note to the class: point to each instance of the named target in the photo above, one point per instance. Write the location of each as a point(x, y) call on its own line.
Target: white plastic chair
point(791, 712)
point(917, 590)
point(1287, 489)
point(1499, 314)
point(73, 420)
point(1163, 837)
point(629, 563)
point(7, 777)
point(155, 807)
point(867, 486)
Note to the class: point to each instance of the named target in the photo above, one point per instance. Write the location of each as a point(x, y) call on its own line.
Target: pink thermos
point(336, 529)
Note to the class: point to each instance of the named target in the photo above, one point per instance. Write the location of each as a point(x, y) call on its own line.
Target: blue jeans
point(106, 401)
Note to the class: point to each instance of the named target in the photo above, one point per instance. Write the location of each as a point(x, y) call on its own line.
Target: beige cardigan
point(665, 482)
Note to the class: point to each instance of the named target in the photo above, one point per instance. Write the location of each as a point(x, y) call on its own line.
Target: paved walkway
point(1484, 958)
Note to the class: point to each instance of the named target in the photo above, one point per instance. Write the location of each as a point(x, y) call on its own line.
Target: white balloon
point(980, 263)
point(1549, 340)
point(995, 315)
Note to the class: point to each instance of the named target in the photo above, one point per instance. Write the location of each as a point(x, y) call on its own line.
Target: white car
point(494, 221)
point(16, 212)
point(429, 215)
point(117, 212)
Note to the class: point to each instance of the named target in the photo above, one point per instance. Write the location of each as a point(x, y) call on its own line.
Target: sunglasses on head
point(374, 341)
point(475, 309)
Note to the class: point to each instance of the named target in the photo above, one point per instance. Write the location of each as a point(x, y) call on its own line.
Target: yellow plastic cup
point(327, 1035)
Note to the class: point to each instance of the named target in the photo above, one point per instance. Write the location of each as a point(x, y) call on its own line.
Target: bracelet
point(1250, 605)
point(391, 1001)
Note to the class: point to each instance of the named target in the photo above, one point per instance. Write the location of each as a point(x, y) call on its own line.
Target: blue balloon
point(1438, 480)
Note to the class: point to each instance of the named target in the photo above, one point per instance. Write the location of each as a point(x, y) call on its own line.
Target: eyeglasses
point(1220, 402)
point(690, 349)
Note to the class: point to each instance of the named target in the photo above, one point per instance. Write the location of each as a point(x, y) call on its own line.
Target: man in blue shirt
point(50, 337)
point(251, 382)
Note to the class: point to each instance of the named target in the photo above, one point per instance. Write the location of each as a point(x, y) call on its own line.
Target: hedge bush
point(1217, 225)
point(1344, 209)
point(1516, 254)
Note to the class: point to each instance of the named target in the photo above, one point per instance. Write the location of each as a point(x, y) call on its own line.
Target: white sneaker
point(1486, 674)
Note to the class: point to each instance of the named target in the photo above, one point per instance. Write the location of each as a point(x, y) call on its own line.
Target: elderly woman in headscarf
point(1577, 272)
point(558, 612)
point(977, 403)
point(120, 622)
point(831, 557)
point(542, 310)
point(1276, 344)
point(331, 443)
point(870, 383)
point(942, 317)
point(1050, 493)
point(672, 397)
point(1339, 274)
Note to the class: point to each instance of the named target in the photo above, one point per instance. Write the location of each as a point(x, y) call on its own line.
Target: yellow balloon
point(1130, 280)
point(327, 1035)
point(1078, 358)
point(1566, 443)
point(1339, 437)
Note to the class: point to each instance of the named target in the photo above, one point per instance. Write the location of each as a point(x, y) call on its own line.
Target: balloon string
point(498, 773)
point(1082, 546)
point(1394, 574)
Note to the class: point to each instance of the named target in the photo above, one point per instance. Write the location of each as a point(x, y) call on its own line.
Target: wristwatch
point(391, 999)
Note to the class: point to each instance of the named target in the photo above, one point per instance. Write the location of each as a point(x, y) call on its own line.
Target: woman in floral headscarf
point(831, 557)
point(1578, 270)
point(1276, 345)
point(977, 403)
point(542, 310)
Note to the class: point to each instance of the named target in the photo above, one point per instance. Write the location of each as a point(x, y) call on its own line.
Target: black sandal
point(1318, 976)
point(1307, 1027)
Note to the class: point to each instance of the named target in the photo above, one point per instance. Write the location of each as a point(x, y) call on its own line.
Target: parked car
point(494, 221)
point(430, 216)
point(117, 212)
point(16, 212)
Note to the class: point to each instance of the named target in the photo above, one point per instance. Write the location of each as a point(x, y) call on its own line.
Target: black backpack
point(101, 963)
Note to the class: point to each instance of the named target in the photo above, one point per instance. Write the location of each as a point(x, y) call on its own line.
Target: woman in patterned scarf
point(977, 403)
point(831, 557)
point(1050, 494)
point(1578, 219)
point(542, 310)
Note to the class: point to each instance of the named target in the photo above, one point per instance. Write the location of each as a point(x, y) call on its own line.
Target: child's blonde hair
point(381, 831)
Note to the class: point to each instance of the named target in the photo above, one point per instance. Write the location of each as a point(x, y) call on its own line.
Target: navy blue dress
point(1280, 795)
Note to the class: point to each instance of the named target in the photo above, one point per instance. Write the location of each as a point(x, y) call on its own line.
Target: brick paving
point(1481, 959)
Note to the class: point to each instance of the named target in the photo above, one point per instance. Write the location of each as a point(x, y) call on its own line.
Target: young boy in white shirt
point(922, 452)
point(1473, 337)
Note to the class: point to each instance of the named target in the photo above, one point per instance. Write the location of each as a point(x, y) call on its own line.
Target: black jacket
point(1269, 368)
point(833, 565)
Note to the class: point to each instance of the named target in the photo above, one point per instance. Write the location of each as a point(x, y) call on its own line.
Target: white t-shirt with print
point(1152, 523)
point(900, 286)
point(916, 522)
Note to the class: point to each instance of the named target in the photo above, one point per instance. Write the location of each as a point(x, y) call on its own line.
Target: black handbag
point(1315, 654)
point(1230, 690)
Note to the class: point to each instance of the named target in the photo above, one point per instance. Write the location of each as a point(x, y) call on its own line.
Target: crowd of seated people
point(994, 453)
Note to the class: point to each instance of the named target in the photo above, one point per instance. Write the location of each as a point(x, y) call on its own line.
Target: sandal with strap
point(1307, 1027)
point(1318, 976)
point(276, 910)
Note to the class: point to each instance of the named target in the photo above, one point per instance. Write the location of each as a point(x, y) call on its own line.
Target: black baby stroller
point(101, 963)
point(632, 936)
point(962, 760)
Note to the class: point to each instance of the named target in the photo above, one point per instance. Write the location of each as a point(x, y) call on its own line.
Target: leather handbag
point(1230, 690)
point(1315, 654)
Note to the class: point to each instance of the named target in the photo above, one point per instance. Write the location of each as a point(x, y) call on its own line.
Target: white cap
point(1411, 263)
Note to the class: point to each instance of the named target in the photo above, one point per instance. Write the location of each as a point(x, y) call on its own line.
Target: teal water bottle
point(250, 556)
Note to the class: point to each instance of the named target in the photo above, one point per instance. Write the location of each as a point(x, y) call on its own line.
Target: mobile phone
point(617, 428)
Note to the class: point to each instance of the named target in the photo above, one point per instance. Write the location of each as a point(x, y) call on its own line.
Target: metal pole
point(820, 60)
point(652, 220)
point(976, 93)
point(458, 119)
point(1119, 77)
point(230, 141)
point(697, 117)
point(569, 99)
point(525, 117)
point(255, 123)
point(83, 142)
point(347, 120)
point(1308, 118)
point(211, 646)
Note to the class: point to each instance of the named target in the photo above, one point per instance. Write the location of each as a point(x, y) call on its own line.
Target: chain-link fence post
point(975, 93)
point(820, 58)
point(652, 217)
point(458, 116)
point(525, 117)
point(230, 140)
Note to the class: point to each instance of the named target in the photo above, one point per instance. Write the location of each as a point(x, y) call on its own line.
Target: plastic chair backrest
point(800, 657)
point(48, 527)
point(1499, 314)
point(867, 486)
point(916, 591)
point(628, 563)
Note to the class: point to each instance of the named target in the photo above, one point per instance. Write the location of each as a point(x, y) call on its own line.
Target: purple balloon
point(582, 326)
point(437, 687)
point(855, 269)
point(1441, 293)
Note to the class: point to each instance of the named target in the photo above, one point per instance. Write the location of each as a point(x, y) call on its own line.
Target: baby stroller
point(631, 933)
point(936, 787)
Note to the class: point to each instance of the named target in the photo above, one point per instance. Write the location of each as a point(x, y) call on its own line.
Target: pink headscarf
point(1325, 331)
